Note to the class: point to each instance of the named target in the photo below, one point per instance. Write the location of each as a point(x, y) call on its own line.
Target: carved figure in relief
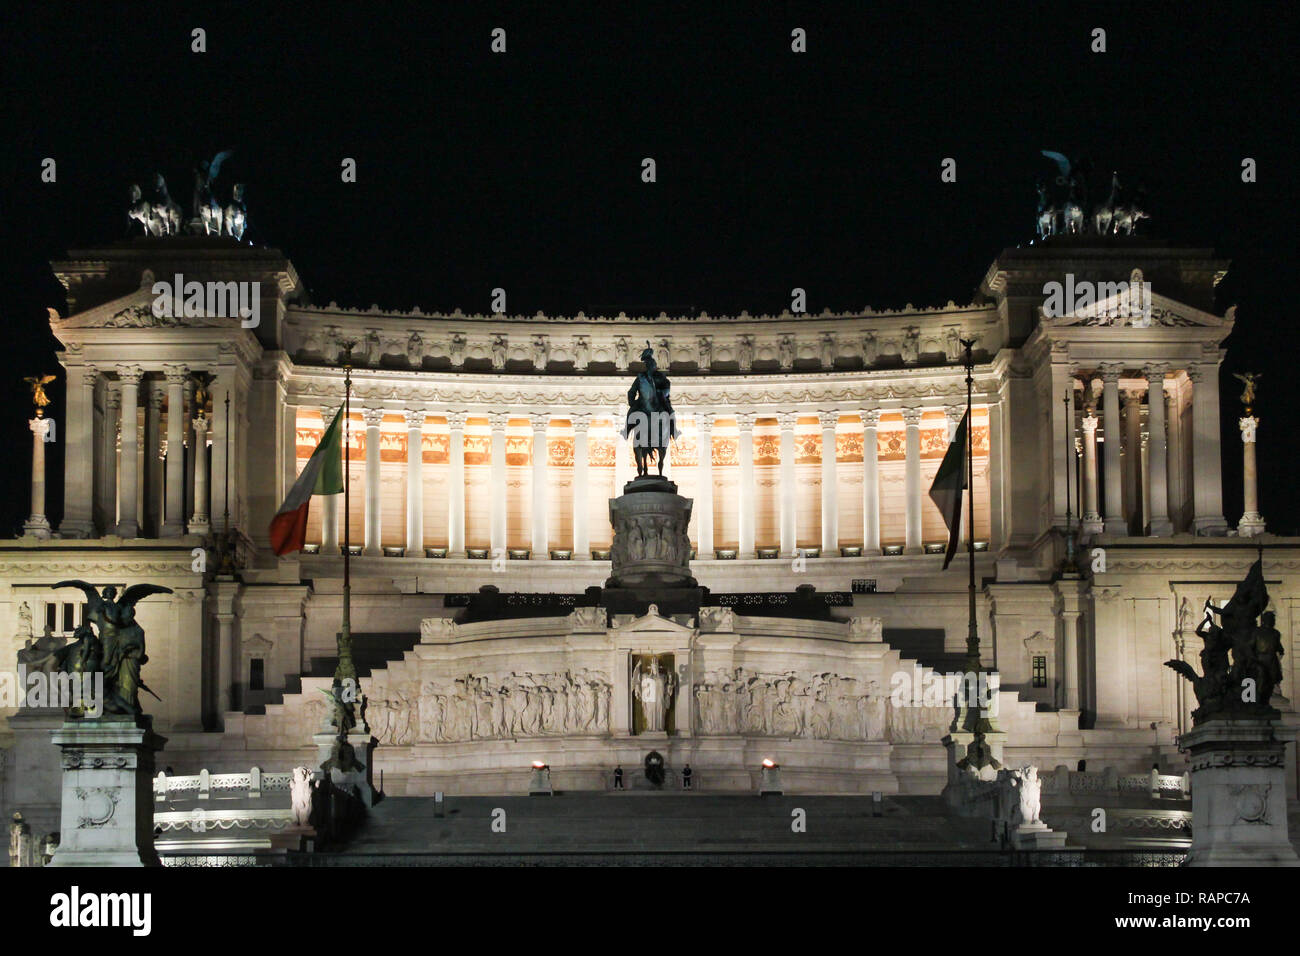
point(300, 795)
point(653, 688)
point(498, 351)
point(786, 351)
point(457, 350)
point(745, 352)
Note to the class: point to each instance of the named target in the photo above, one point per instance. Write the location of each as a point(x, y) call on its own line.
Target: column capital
point(1090, 422)
point(581, 422)
point(40, 427)
point(870, 417)
point(1248, 426)
point(373, 417)
point(498, 420)
point(415, 417)
point(1110, 371)
point(175, 373)
point(787, 420)
point(456, 419)
point(539, 420)
point(327, 413)
point(1155, 372)
point(89, 376)
point(129, 374)
point(745, 420)
point(829, 417)
point(954, 413)
point(703, 420)
point(1201, 372)
point(154, 398)
point(1132, 397)
point(912, 416)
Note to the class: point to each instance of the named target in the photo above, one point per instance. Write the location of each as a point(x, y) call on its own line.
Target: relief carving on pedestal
point(478, 707)
point(823, 706)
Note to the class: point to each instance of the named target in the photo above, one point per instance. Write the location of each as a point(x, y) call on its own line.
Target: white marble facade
point(484, 453)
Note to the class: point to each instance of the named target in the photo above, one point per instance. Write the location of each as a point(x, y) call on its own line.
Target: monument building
point(807, 610)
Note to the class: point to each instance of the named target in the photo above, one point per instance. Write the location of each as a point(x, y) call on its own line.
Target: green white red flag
point(322, 475)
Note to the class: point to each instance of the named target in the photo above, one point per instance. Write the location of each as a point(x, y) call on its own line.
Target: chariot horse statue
point(651, 422)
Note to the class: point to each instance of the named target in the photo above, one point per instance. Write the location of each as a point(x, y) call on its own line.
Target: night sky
point(775, 169)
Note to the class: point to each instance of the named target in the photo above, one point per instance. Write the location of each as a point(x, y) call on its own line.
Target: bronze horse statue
point(651, 422)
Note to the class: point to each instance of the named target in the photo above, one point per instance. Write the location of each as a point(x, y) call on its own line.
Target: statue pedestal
point(107, 811)
point(970, 789)
point(1238, 794)
point(356, 781)
point(1037, 836)
point(651, 548)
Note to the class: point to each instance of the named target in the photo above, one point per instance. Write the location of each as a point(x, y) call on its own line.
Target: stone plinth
point(651, 548)
point(107, 808)
point(1238, 794)
point(1037, 836)
point(969, 787)
point(358, 780)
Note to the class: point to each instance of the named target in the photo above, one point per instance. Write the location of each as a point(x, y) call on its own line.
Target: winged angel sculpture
point(117, 650)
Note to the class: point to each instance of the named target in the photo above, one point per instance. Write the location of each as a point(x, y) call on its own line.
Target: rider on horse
point(651, 422)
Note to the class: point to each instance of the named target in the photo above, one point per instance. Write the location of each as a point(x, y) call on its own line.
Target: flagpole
point(345, 673)
point(972, 631)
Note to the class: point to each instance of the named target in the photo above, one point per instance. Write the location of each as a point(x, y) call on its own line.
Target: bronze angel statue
point(37, 384)
point(1248, 379)
point(119, 652)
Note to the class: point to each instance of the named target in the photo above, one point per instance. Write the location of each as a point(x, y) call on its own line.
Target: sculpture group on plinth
point(1241, 661)
point(1063, 203)
point(160, 215)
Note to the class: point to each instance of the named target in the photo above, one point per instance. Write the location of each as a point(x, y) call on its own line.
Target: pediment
point(1130, 310)
point(652, 623)
point(134, 310)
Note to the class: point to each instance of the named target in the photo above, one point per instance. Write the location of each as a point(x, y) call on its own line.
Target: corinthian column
point(38, 525)
point(870, 483)
point(912, 478)
point(1114, 522)
point(373, 418)
point(415, 482)
point(128, 525)
point(1158, 497)
point(581, 540)
point(456, 485)
point(541, 549)
point(1133, 461)
point(1252, 522)
point(704, 493)
point(79, 454)
point(199, 521)
point(174, 509)
point(497, 532)
point(1207, 479)
point(1092, 523)
point(745, 493)
point(830, 489)
point(786, 502)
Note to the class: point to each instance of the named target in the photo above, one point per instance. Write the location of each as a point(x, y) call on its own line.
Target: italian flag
point(949, 482)
point(322, 475)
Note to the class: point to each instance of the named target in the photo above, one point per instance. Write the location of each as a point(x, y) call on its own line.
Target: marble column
point(200, 521)
point(456, 484)
point(1145, 483)
point(497, 530)
point(541, 547)
point(329, 517)
point(79, 453)
point(1133, 461)
point(153, 465)
point(1114, 522)
point(954, 414)
point(106, 461)
point(128, 525)
point(415, 482)
point(912, 479)
point(581, 459)
point(1207, 482)
point(745, 492)
point(870, 483)
point(174, 509)
point(1092, 523)
point(373, 417)
point(997, 525)
point(1158, 495)
point(37, 525)
point(224, 422)
point(787, 484)
point(704, 491)
point(1252, 522)
point(1175, 473)
point(829, 419)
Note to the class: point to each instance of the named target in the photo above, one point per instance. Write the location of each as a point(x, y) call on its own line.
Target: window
point(1040, 670)
point(256, 673)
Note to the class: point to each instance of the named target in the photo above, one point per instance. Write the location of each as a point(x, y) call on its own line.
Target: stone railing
point(219, 786)
point(1065, 781)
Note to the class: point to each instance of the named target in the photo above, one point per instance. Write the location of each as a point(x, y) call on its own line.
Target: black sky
point(775, 170)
